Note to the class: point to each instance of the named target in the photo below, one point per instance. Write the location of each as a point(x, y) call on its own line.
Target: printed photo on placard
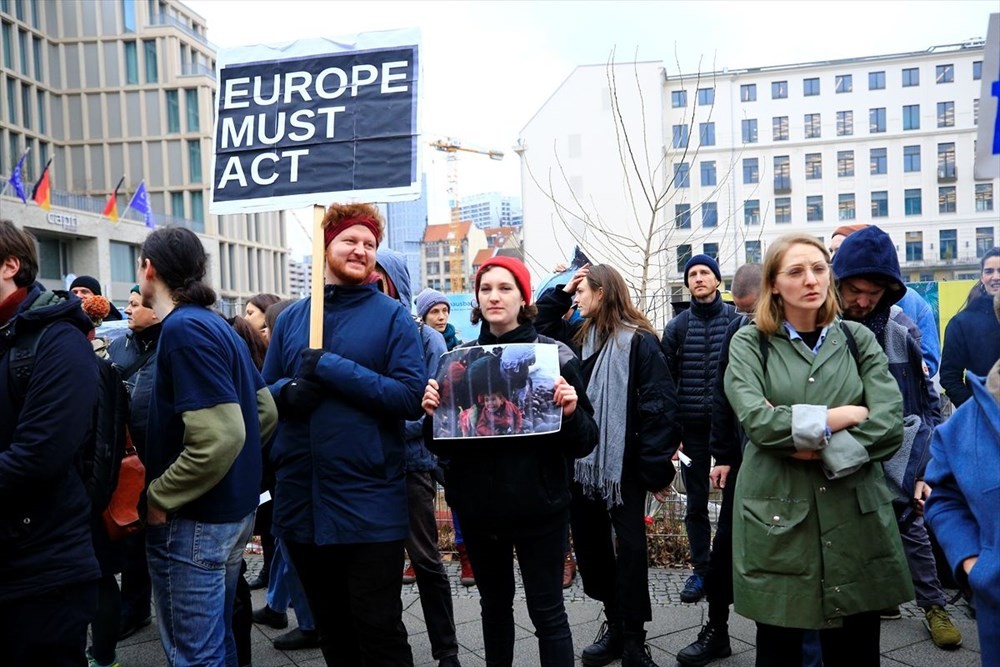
point(498, 391)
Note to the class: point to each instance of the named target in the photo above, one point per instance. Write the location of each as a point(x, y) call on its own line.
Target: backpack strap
point(852, 344)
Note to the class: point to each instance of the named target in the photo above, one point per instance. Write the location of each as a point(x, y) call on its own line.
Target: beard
point(349, 273)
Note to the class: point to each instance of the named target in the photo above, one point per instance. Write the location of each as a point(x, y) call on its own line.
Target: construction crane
point(452, 147)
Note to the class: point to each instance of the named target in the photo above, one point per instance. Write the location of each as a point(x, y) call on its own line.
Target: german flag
point(111, 208)
point(42, 193)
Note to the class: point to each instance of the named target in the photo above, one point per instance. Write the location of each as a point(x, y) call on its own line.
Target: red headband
point(371, 223)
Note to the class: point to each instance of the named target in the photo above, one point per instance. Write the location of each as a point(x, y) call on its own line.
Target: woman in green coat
point(815, 543)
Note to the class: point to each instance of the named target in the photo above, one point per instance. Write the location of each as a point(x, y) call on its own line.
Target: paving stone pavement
point(905, 642)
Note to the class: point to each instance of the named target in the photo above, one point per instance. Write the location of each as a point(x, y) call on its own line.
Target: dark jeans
point(137, 591)
point(719, 578)
point(541, 549)
point(856, 644)
point(920, 559)
point(617, 577)
point(48, 629)
point(696, 521)
point(354, 594)
point(262, 526)
point(432, 579)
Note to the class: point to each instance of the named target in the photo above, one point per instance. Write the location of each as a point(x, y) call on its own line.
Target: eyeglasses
point(798, 272)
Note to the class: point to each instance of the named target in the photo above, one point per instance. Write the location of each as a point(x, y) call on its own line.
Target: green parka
point(808, 550)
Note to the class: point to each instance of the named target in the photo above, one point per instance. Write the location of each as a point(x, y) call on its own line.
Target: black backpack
point(102, 453)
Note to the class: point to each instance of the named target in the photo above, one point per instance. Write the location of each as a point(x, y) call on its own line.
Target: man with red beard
point(340, 497)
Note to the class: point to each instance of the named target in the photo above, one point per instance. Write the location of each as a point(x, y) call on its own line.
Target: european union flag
point(140, 203)
point(17, 181)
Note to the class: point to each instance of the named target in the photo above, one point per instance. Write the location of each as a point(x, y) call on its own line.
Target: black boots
point(607, 647)
point(712, 644)
point(636, 653)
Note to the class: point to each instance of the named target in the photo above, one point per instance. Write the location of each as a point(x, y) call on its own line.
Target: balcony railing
point(930, 262)
point(197, 69)
point(782, 185)
point(948, 174)
point(165, 19)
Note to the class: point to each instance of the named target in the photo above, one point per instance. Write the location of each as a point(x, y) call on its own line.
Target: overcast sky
point(489, 66)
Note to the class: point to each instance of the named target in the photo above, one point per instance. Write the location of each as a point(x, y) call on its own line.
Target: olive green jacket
point(809, 550)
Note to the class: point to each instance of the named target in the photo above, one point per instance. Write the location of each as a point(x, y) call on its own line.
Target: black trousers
point(696, 521)
point(541, 549)
point(719, 578)
point(354, 593)
point(618, 577)
point(137, 591)
point(49, 628)
point(856, 644)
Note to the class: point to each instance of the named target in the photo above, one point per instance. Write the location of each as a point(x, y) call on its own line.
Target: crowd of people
point(809, 401)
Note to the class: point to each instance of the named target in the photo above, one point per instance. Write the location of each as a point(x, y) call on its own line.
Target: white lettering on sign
point(234, 170)
point(62, 220)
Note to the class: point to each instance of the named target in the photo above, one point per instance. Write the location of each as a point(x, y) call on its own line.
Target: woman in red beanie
point(514, 493)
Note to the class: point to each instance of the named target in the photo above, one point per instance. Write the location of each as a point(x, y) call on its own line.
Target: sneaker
point(569, 570)
point(468, 577)
point(271, 618)
point(889, 613)
point(943, 631)
point(694, 589)
point(409, 576)
point(712, 644)
point(296, 639)
point(130, 626)
point(91, 662)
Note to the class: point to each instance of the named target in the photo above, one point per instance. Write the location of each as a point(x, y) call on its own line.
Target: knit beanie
point(522, 277)
point(88, 282)
point(703, 260)
point(847, 230)
point(429, 298)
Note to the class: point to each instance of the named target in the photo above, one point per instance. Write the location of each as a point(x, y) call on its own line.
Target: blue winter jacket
point(339, 470)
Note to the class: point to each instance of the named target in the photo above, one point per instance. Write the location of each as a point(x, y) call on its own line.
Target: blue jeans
point(284, 588)
point(194, 567)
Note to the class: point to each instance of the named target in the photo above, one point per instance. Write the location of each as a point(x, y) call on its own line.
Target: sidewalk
point(674, 625)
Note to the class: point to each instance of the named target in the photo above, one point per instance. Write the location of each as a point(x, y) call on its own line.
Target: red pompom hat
point(522, 277)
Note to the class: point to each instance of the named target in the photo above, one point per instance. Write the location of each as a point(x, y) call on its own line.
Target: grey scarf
point(600, 472)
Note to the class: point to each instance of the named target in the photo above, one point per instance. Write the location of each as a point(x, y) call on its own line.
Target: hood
point(869, 253)
point(43, 307)
point(394, 265)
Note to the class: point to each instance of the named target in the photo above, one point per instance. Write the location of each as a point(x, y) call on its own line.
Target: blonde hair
point(770, 309)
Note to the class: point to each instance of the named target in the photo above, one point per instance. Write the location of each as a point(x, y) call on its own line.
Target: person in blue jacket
point(340, 492)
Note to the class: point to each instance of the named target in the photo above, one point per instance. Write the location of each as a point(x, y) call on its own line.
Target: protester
point(256, 310)
point(962, 506)
point(514, 493)
point(48, 572)
point(815, 546)
point(84, 286)
point(340, 496)
point(691, 342)
point(635, 408)
point(972, 337)
point(210, 411)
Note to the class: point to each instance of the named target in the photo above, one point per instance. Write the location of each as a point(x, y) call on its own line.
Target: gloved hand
point(299, 397)
point(309, 360)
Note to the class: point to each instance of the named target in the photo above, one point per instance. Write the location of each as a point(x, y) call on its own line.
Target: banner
point(317, 121)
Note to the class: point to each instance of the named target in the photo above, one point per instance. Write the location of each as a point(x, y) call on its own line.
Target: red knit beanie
point(522, 277)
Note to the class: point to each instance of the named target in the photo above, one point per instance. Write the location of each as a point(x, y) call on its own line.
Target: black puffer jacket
point(125, 352)
point(693, 357)
point(45, 539)
point(971, 344)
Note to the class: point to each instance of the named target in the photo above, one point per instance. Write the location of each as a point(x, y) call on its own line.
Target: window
point(124, 259)
point(913, 201)
point(682, 216)
point(812, 123)
point(876, 80)
point(8, 45)
point(23, 41)
point(131, 62)
point(683, 255)
point(845, 206)
point(191, 99)
point(751, 170)
point(680, 136)
point(12, 108)
point(53, 259)
point(975, 112)
point(708, 172)
point(911, 117)
point(194, 159)
point(946, 114)
point(751, 212)
point(814, 166)
point(911, 159)
point(706, 134)
point(748, 92)
point(914, 246)
point(984, 241)
point(198, 211)
point(783, 209)
point(709, 214)
point(782, 173)
point(845, 163)
point(911, 77)
point(845, 123)
point(984, 197)
point(814, 208)
point(149, 49)
point(946, 161)
point(946, 199)
point(706, 96)
point(810, 87)
point(712, 250)
point(682, 175)
point(26, 105)
point(779, 90)
point(877, 160)
point(977, 70)
point(37, 47)
point(678, 98)
point(128, 9)
point(750, 131)
point(876, 120)
point(845, 83)
point(880, 204)
point(944, 73)
point(779, 128)
point(177, 204)
point(173, 112)
point(948, 243)
point(42, 129)
point(753, 252)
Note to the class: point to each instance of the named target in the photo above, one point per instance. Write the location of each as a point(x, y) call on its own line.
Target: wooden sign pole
point(318, 278)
